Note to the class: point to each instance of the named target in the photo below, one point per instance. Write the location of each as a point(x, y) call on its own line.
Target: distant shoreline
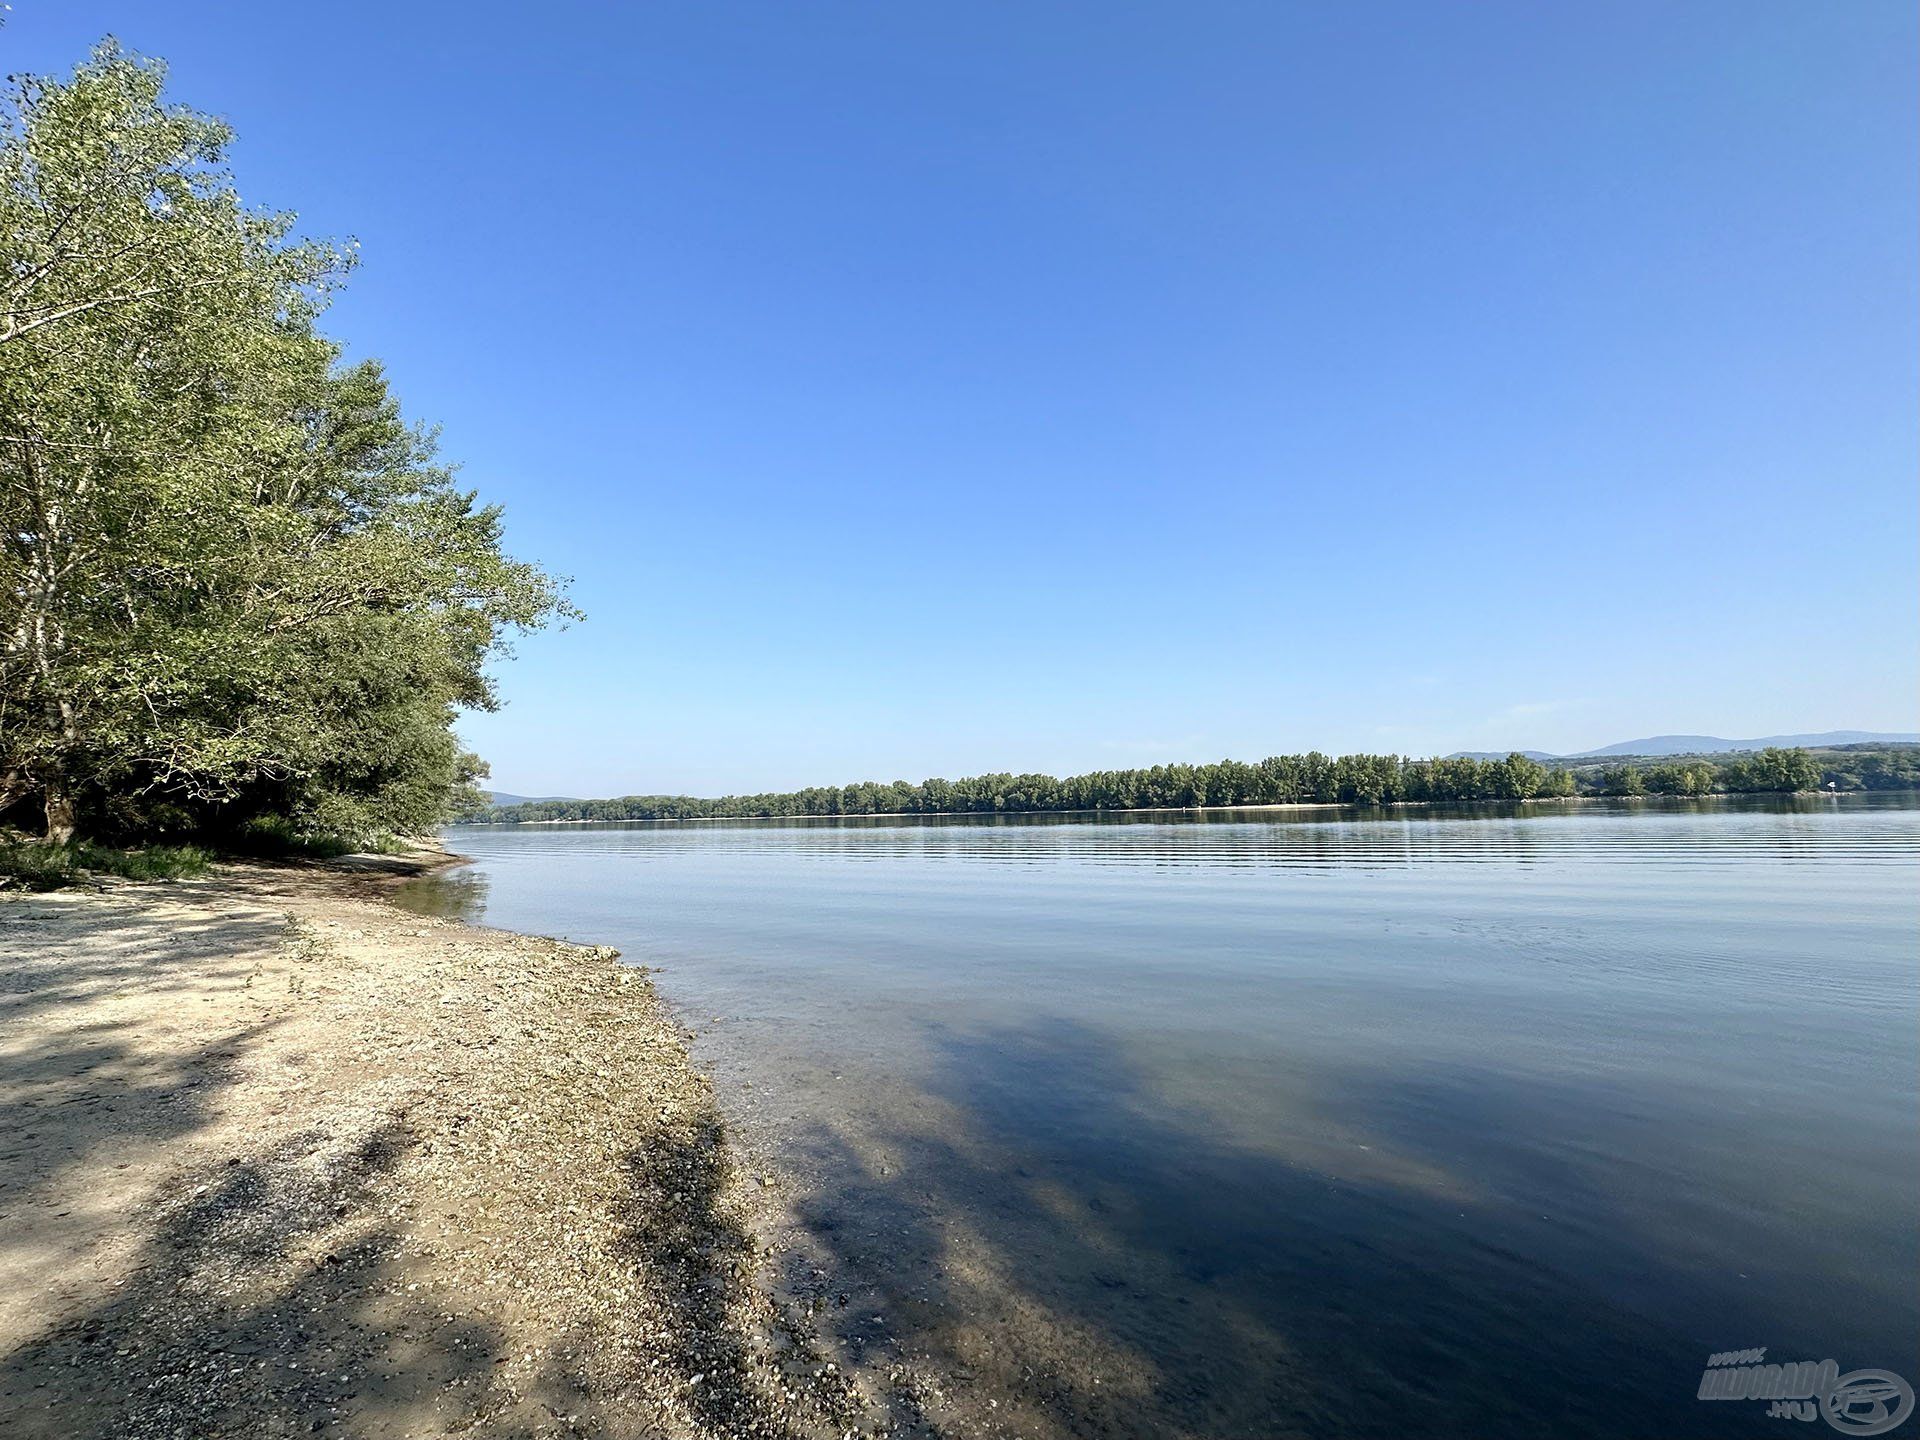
point(1158, 809)
point(1374, 781)
point(1007, 814)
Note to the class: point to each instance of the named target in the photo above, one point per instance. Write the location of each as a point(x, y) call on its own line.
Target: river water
point(1323, 1123)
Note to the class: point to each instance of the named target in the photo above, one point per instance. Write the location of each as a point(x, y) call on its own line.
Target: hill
point(1704, 745)
point(1715, 745)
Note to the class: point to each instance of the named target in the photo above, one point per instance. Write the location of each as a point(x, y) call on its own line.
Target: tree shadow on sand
point(256, 1292)
point(278, 1280)
point(266, 1301)
point(747, 1363)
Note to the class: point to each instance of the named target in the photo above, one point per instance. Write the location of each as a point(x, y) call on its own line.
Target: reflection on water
point(1646, 833)
point(457, 894)
point(1328, 1123)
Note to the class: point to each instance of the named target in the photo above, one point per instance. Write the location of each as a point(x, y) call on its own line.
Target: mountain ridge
point(1705, 745)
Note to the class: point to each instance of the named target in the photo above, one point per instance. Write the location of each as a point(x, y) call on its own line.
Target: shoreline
point(337, 1166)
point(1169, 809)
point(1016, 814)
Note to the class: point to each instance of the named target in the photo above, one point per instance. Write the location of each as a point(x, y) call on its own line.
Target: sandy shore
point(280, 1158)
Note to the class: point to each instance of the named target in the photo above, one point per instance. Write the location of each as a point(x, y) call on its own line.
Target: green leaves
point(235, 579)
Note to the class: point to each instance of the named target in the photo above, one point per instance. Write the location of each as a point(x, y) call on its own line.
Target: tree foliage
point(1869, 767)
point(1312, 778)
point(236, 583)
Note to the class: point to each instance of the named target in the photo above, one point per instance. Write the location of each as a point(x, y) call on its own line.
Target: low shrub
point(272, 835)
point(35, 865)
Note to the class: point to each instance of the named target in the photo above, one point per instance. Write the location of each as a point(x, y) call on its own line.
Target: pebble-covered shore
point(289, 1160)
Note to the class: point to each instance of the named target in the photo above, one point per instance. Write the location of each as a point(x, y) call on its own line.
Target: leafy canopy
point(236, 584)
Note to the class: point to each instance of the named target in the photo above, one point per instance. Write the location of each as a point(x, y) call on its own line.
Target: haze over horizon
point(916, 393)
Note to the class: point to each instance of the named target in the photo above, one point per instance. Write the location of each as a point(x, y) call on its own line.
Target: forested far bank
point(1312, 778)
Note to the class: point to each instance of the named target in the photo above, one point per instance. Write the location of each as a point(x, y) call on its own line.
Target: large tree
point(235, 581)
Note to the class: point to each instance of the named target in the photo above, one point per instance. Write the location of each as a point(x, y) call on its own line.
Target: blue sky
point(929, 389)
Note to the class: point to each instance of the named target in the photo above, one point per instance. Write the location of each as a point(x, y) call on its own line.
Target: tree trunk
point(60, 823)
point(14, 787)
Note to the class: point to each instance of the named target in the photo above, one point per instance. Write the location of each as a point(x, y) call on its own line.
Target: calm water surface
point(1318, 1123)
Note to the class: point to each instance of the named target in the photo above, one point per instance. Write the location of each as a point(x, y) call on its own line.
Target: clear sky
point(924, 388)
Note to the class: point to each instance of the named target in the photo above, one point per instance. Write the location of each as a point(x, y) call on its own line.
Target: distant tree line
point(1278, 780)
point(1870, 767)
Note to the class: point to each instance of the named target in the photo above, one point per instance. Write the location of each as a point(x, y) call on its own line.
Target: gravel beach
point(279, 1158)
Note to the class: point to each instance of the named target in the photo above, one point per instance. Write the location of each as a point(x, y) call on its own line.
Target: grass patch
point(155, 862)
point(276, 838)
point(29, 864)
point(34, 865)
